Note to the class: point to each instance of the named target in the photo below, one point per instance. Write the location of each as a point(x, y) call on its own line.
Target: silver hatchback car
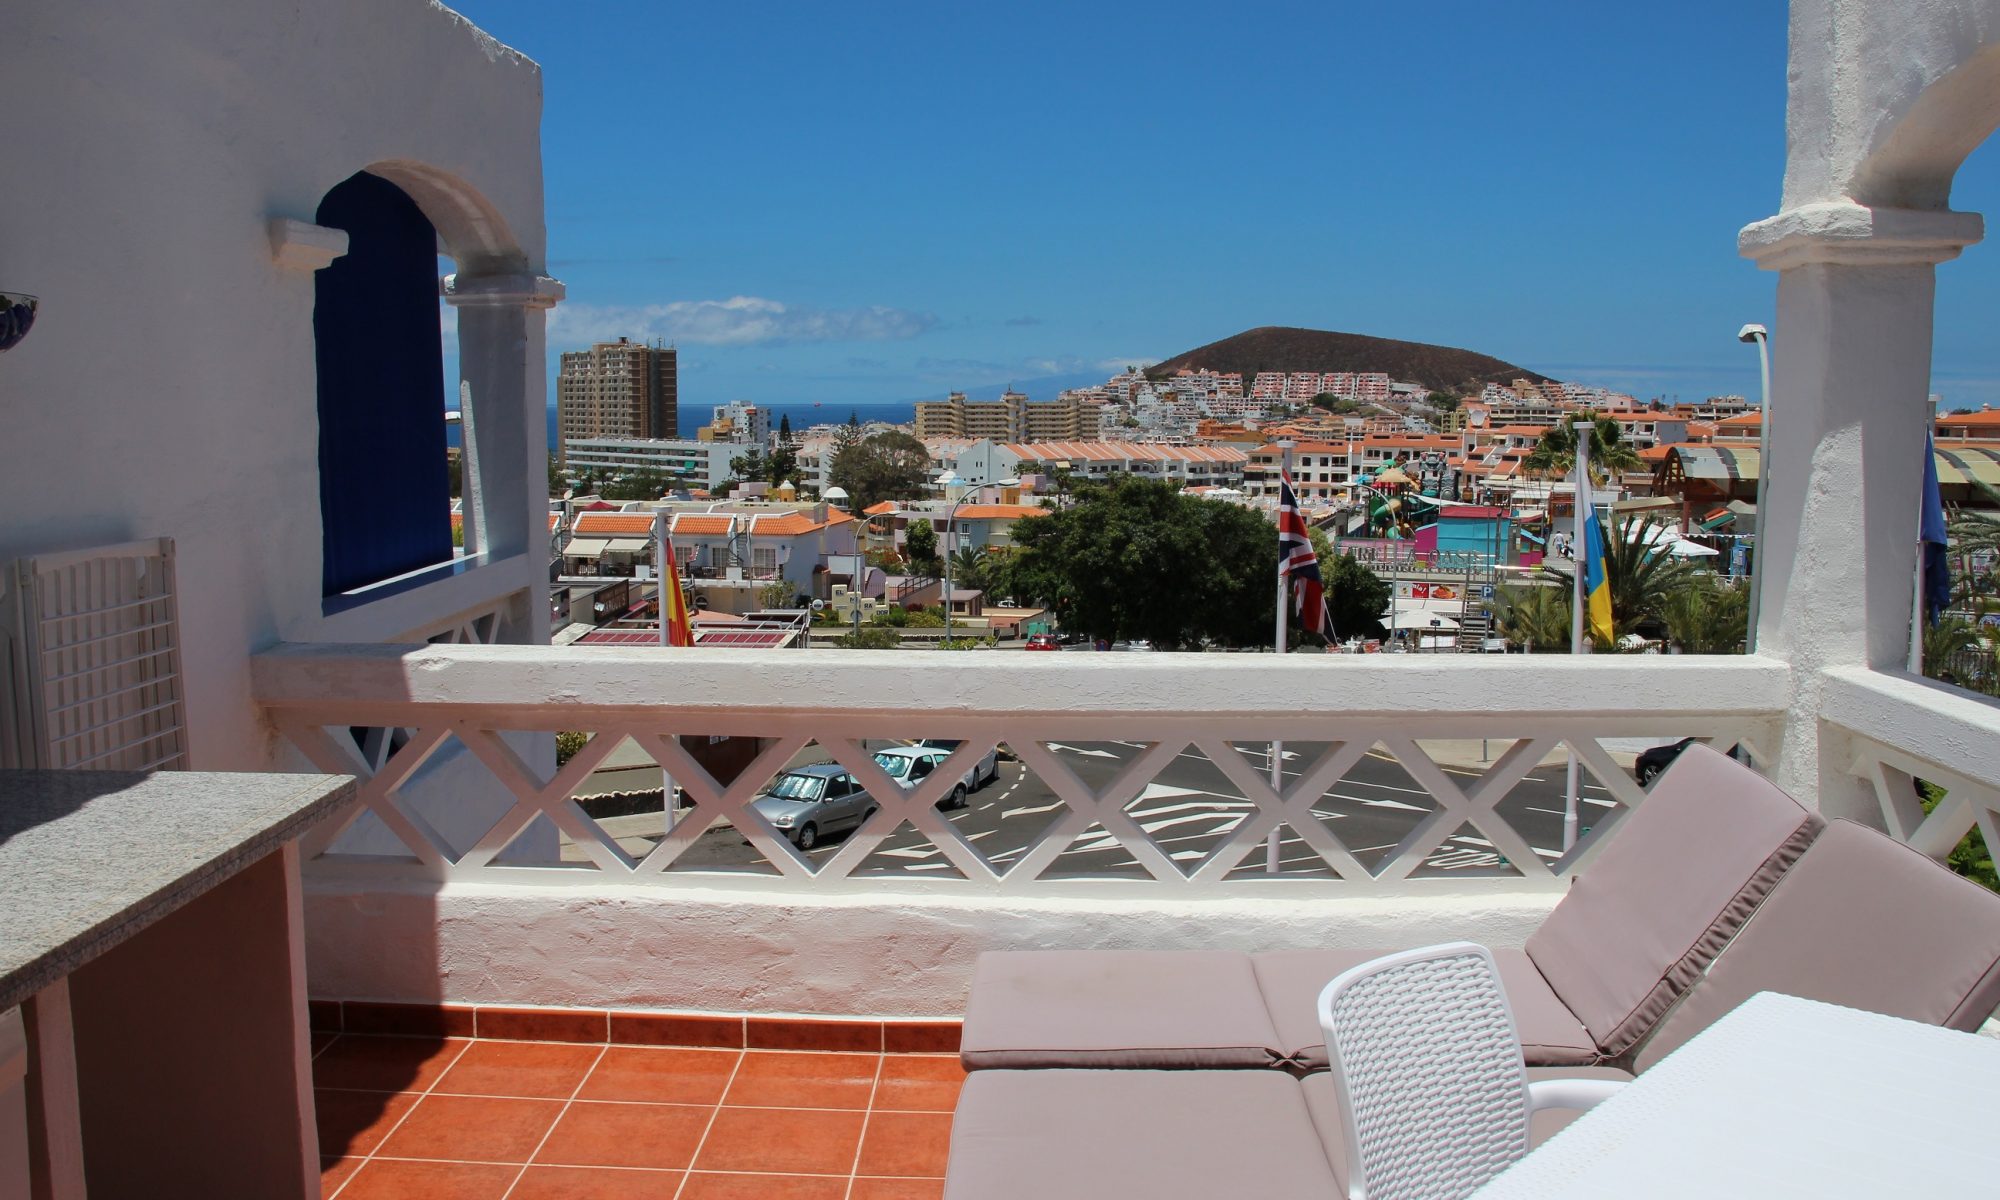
point(807, 803)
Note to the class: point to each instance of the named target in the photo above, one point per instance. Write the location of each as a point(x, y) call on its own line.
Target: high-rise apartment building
point(620, 389)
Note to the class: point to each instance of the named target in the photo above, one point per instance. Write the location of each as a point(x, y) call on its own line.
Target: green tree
point(1142, 559)
point(558, 483)
point(1535, 616)
point(1444, 401)
point(920, 544)
point(1640, 571)
point(869, 639)
point(778, 593)
point(1704, 615)
point(781, 464)
point(636, 485)
point(749, 465)
point(891, 465)
point(968, 568)
point(785, 429)
point(1356, 597)
point(1554, 456)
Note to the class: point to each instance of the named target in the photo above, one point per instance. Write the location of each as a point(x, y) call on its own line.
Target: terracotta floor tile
point(387, 1179)
point(660, 1075)
point(595, 1183)
point(922, 1037)
point(897, 1189)
point(783, 1079)
point(472, 1129)
point(333, 1172)
point(662, 1136)
point(919, 1083)
point(702, 1186)
point(781, 1141)
point(354, 1123)
point(906, 1144)
point(544, 1069)
point(384, 1064)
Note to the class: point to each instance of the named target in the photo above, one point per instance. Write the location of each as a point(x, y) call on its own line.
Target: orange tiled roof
point(1983, 419)
point(613, 524)
point(880, 507)
point(700, 524)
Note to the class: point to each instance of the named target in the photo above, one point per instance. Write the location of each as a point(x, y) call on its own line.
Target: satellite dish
point(818, 605)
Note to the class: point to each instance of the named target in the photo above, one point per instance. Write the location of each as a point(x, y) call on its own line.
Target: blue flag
point(1937, 570)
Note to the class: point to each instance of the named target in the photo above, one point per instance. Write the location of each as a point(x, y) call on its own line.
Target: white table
point(1787, 1097)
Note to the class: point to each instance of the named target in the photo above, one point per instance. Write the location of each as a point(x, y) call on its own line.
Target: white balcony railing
point(388, 714)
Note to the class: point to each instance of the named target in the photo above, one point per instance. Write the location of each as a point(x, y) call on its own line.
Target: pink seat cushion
point(1291, 981)
point(1116, 1008)
point(1862, 921)
point(1163, 1135)
point(1681, 875)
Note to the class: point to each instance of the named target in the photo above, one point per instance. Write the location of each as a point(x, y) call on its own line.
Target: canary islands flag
point(1596, 584)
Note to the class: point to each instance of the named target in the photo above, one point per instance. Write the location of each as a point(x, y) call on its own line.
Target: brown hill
point(1276, 348)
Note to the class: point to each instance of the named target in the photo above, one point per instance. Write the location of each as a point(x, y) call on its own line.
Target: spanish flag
point(675, 629)
point(1596, 583)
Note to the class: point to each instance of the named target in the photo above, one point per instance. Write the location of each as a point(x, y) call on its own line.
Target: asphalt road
point(1187, 809)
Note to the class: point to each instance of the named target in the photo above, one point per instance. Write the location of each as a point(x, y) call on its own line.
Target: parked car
point(807, 803)
point(1651, 763)
point(910, 765)
point(1042, 641)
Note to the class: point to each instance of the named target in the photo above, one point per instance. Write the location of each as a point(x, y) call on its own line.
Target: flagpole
point(665, 578)
point(1278, 747)
point(1579, 554)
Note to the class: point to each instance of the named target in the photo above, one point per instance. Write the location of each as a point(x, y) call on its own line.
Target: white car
point(910, 765)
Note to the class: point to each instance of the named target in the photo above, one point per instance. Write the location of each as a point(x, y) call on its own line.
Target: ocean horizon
point(804, 415)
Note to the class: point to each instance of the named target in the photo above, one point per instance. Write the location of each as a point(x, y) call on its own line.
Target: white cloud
point(737, 321)
point(1141, 361)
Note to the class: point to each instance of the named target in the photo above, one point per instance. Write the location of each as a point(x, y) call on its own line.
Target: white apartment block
point(700, 464)
point(738, 421)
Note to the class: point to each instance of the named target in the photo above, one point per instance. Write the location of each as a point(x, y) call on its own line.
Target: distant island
point(1278, 348)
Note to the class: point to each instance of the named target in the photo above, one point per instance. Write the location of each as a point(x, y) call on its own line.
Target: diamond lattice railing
point(1045, 787)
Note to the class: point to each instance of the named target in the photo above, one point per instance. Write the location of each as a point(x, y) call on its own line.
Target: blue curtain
point(384, 489)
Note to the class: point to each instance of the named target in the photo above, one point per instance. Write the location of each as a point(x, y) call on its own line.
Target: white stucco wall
point(168, 387)
point(1887, 97)
point(897, 953)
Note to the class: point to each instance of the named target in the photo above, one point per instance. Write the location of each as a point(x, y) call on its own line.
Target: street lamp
point(1762, 337)
point(948, 481)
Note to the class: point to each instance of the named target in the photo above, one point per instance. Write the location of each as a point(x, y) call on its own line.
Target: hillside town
point(1448, 500)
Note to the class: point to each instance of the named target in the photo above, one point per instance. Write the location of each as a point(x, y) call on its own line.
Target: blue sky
point(884, 201)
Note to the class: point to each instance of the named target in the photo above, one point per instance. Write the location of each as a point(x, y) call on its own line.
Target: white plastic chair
point(1427, 1063)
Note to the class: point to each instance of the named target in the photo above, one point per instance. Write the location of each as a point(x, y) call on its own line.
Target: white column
point(504, 390)
point(1851, 372)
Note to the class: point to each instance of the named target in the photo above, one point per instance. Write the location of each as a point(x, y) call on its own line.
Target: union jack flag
point(1297, 562)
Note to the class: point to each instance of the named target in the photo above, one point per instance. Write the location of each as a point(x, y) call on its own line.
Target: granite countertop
point(89, 858)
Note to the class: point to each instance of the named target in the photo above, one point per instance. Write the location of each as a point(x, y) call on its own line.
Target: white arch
point(473, 230)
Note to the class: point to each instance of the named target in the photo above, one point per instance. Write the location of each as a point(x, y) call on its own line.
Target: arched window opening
point(384, 486)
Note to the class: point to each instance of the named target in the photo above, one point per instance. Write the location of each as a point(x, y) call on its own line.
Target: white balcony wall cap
point(520, 685)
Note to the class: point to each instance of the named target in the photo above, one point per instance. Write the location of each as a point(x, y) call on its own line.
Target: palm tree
point(968, 568)
point(1535, 617)
point(1706, 616)
point(1554, 456)
point(1641, 573)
